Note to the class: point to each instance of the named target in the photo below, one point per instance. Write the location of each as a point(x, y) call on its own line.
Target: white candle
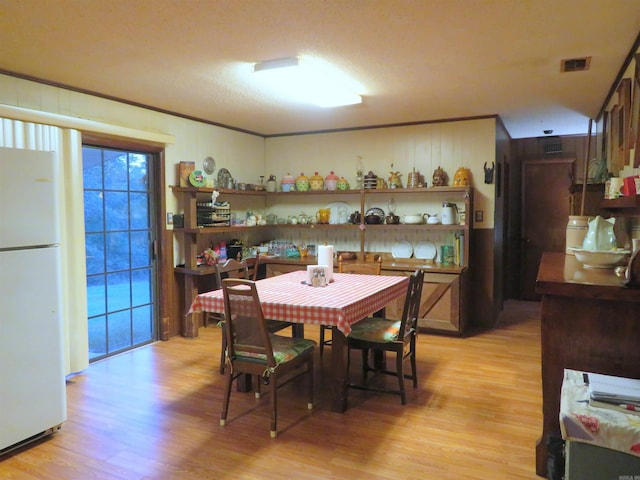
point(325, 257)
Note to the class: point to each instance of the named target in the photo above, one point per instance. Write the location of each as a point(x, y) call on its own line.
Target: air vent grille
point(552, 145)
point(575, 64)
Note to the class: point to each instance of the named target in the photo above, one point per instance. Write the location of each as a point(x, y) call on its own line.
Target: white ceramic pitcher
point(600, 235)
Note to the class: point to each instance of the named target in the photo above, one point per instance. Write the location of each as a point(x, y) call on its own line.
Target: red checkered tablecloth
point(346, 300)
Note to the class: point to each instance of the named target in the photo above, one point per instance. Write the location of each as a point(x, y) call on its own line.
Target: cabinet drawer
point(274, 269)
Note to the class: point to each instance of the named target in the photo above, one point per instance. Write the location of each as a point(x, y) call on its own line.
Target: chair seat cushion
point(374, 329)
point(285, 349)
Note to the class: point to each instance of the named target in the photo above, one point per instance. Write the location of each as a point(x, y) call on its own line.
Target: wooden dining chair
point(233, 268)
point(387, 335)
point(253, 350)
point(349, 267)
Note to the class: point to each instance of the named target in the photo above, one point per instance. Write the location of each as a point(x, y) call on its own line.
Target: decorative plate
point(334, 216)
point(375, 211)
point(197, 178)
point(209, 165)
point(425, 250)
point(223, 176)
point(402, 249)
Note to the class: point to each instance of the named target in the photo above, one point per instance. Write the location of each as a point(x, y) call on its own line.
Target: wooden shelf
point(622, 202)
point(453, 309)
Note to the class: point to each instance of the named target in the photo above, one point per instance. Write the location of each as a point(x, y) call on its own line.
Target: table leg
point(297, 330)
point(379, 360)
point(192, 321)
point(244, 383)
point(339, 374)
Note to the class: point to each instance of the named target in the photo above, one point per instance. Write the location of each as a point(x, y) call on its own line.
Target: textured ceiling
point(414, 60)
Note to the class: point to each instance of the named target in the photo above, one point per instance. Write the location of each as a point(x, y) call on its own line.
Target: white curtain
point(67, 145)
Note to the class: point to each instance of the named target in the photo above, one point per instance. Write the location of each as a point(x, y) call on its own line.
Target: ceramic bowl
point(599, 258)
point(412, 219)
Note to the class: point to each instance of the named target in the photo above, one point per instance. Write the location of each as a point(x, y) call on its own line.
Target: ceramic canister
point(287, 183)
point(447, 254)
point(331, 181)
point(577, 227)
point(316, 182)
point(302, 183)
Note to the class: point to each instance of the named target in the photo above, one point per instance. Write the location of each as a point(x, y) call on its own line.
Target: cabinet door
point(440, 304)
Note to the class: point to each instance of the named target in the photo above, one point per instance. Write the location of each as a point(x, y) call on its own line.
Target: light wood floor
point(154, 414)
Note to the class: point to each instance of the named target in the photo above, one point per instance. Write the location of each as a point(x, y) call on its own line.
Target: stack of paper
point(607, 391)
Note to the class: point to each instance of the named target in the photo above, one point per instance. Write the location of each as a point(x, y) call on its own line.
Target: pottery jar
point(271, 184)
point(316, 182)
point(331, 181)
point(302, 183)
point(343, 184)
point(287, 183)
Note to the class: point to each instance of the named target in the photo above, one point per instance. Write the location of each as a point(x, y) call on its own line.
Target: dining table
point(347, 299)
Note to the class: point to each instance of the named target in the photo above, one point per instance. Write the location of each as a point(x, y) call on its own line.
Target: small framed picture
point(311, 250)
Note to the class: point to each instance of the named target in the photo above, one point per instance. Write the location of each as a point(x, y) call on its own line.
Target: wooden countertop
point(400, 265)
point(408, 264)
point(561, 274)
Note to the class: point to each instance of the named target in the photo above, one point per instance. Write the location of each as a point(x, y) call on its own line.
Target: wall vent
point(551, 145)
point(575, 64)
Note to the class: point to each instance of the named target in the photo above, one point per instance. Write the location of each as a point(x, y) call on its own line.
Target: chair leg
point(274, 406)
point(225, 400)
point(310, 383)
point(223, 353)
point(400, 374)
point(365, 364)
point(414, 373)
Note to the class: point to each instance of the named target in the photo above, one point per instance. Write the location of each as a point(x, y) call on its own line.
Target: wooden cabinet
point(444, 303)
point(590, 322)
point(445, 291)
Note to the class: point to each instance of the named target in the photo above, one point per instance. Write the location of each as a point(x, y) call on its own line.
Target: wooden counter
point(590, 322)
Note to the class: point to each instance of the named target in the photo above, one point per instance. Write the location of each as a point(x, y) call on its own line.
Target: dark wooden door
point(545, 212)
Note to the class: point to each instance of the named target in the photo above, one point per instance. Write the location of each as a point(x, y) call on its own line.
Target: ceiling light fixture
point(300, 80)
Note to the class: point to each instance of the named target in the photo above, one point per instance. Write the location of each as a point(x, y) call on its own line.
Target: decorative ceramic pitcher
point(600, 235)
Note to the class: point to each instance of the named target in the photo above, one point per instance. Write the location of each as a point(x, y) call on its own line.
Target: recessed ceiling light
point(301, 81)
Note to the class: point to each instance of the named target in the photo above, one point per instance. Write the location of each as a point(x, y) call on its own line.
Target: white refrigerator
point(32, 380)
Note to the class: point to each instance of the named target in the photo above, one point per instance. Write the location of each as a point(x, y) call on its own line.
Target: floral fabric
point(376, 330)
point(284, 349)
point(598, 426)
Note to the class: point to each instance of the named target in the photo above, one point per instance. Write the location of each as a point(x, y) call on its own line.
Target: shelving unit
point(452, 275)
